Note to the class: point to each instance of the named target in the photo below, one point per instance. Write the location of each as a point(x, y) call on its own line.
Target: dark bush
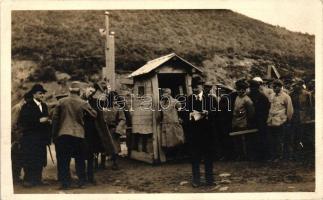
point(45, 74)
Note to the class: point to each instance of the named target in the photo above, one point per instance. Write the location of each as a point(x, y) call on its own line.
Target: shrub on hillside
point(45, 74)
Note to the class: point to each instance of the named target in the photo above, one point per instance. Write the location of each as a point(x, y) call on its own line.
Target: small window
point(141, 91)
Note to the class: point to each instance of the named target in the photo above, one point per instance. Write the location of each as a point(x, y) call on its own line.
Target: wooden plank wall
point(141, 118)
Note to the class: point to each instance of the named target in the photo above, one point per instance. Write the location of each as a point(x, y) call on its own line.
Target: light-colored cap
point(75, 86)
point(258, 79)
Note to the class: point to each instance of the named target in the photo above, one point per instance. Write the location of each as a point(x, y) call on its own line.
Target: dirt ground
point(174, 177)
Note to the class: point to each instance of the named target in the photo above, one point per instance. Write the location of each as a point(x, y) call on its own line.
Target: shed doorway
point(175, 82)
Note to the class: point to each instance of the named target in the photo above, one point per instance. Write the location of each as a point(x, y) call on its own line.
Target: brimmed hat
point(75, 86)
point(37, 88)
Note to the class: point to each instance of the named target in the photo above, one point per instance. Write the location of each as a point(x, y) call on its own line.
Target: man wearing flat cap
point(302, 104)
point(280, 114)
point(35, 136)
point(243, 113)
point(69, 135)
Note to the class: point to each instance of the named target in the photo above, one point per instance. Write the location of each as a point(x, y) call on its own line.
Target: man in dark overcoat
point(35, 136)
point(201, 137)
point(99, 137)
point(259, 146)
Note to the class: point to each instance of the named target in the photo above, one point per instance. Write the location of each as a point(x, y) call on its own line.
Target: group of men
point(268, 123)
point(77, 126)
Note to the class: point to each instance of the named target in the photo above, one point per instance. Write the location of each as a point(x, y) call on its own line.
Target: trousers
point(202, 148)
point(67, 147)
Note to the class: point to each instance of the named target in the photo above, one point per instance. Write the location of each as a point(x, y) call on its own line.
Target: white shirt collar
point(38, 103)
point(200, 95)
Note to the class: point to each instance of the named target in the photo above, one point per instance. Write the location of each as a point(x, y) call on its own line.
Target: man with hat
point(68, 135)
point(262, 87)
point(280, 114)
point(262, 105)
point(243, 113)
point(35, 136)
point(100, 138)
point(302, 104)
point(200, 137)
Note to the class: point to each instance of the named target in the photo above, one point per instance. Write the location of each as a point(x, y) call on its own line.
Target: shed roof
point(154, 64)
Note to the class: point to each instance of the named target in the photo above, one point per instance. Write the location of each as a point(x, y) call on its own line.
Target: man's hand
point(43, 119)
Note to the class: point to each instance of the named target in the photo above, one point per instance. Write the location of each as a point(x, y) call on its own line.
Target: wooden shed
point(170, 71)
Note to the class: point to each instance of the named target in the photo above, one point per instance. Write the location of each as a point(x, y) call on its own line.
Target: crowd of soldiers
point(81, 128)
point(269, 123)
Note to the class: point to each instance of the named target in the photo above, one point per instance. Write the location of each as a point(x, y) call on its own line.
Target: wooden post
point(109, 71)
point(158, 152)
point(188, 83)
point(111, 63)
point(269, 72)
point(107, 31)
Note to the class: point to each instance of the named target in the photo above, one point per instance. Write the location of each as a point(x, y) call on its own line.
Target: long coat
point(172, 133)
point(35, 135)
point(98, 135)
point(201, 137)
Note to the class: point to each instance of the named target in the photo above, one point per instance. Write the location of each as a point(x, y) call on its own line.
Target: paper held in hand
point(196, 116)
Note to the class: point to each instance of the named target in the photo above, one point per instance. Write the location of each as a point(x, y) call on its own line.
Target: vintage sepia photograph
point(180, 101)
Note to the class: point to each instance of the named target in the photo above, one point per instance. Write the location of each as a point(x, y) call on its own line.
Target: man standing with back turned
point(68, 133)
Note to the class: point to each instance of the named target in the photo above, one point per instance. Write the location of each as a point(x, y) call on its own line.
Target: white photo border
point(5, 57)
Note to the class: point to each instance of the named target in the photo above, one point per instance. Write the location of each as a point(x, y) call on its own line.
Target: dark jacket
point(35, 135)
point(302, 104)
point(262, 106)
point(201, 134)
point(225, 112)
point(30, 124)
point(98, 136)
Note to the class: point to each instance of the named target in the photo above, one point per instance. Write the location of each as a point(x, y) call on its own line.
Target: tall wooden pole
point(109, 70)
point(106, 46)
point(111, 63)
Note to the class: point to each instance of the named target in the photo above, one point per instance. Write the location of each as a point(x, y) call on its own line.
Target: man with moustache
point(200, 137)
point(35, 136)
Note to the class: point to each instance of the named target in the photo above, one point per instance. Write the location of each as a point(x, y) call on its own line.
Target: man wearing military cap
point(35, 136)
point(280, 114)
point(69, 135)
point(243, 113)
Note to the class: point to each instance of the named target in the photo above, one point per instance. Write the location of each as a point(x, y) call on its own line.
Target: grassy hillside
point(217, 40)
